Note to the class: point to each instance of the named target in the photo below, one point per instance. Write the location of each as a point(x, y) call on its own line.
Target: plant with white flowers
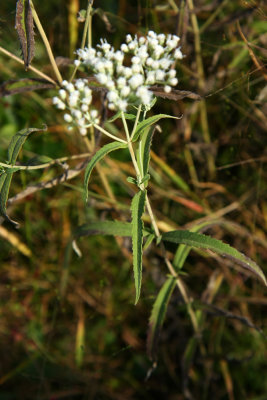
point(129, 76)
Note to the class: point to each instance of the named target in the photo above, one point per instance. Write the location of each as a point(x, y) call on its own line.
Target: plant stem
point(45, 165)
point(170, 267)
point(117, 139)
point(46, 43)
point(31, 68)
point(87, 28)
point(136, 121)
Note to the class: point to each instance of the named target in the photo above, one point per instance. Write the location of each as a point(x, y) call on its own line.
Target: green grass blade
point(158, 315)
point(17, 142)
point(137, 208)
point(206, 242)
point(148, 122)
point(96, 158)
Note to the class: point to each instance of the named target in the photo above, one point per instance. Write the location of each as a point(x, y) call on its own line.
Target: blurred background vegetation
point(70, 330)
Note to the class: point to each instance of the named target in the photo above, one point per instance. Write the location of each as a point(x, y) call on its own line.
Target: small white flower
point(78, 115)
point(77, 63)
point(55, 100)
point(155, 64)
point(70, 87)
point(112, 96)
point(144, 94)
point(64, 83)
point(160, 75)
point(129, 38)
point(110, 84)
point(178, 54)
point(122, 105)
point(68, 118)
point(172, 73)
point(165, 63)
point(73, 100)
point(132, 45)
point(173, 81)
point(158, 51)
point(118, 56)
point(125, 91)
point(149, 61)
point(84, 107)
point(136, 60)
point(151, 78)
point(83, 131)
point(124, 48)
point(167, 89)
point(161, 38)
point(136, 68)
point(80, 83)
point(142, 40)
point(136, 80)
point(62, 94)
point(127, 72)
point(102, 78)
point(93, 114)
point(152, 34)
point(121, 82)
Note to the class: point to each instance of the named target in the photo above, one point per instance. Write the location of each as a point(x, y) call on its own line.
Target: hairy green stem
point(109, 134)
point(45, 165)
point(136, 121)
point(170, 267)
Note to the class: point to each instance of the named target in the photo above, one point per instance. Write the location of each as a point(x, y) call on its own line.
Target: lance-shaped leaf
point(158, 315)
point(137, 208)
point(115, 228)
point(143, 151)
point(13, 150)
point(146, 123)
point(5, 180)
point(17, 142)
point(96, 158)
point(24, 26)
point(206, 242)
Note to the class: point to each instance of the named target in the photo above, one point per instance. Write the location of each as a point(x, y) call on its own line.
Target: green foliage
point(146, 123)
point(198, 240)
point(61, 320)
point(137, 208)
point(158, 316)
point(99, 155)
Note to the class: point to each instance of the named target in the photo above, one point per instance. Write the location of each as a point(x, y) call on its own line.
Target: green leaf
point(25, 30)
point(158, 315)
point(5, 180)
point(206, 242)
point(96, 158)
point(17, 142)
point(137, 208)
point(118, 115)
point(148, 122)
point(143, 151)
point(183, 250)
point(115, 228)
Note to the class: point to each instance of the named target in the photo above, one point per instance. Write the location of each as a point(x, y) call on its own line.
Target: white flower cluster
point(76, 98)
point(150, 61)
